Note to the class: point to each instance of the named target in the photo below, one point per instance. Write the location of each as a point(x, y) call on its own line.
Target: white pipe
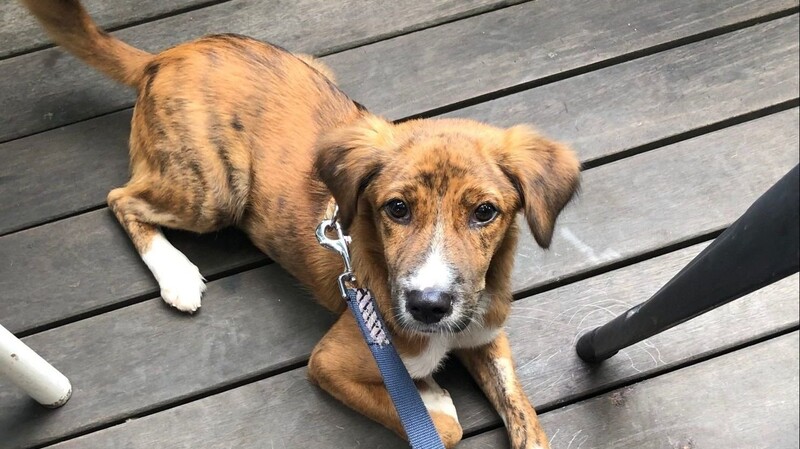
point(27, 370)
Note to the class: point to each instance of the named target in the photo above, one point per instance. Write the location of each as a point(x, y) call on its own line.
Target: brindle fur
point(230, 131)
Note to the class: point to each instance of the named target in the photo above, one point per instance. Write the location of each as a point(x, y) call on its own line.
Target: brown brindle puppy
point(228, 130)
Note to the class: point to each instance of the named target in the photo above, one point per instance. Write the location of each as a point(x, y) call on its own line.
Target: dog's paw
point(443, 412)
point(180, 281)
point(437, 399)
point(183, 289)
point(449, 429)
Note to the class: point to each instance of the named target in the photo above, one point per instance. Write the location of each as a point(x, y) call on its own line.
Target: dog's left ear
point(348, 158)
point(546, 175)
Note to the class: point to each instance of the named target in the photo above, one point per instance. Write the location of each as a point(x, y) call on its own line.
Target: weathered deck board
point(44, 177)
point(71, 91)
point(19, 32)
point(621, 107)
point(522, 44)
point(145, 355)
point(233, 375)
point(729, 75)
point(292, 412)
point(92, 264)
point(544, 328)
point(737, 401)
point(662, 197)
point(681, 191)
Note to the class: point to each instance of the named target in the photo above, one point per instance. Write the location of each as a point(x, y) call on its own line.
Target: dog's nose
point(428, 306)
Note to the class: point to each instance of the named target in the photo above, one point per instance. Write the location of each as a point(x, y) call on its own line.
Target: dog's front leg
point(492, 368)
point(342, 365)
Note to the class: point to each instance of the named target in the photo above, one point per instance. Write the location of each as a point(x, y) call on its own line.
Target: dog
point(231, 131)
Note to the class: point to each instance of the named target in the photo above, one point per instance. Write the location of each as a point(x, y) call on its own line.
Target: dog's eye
point(483, 214)
point(398, 211)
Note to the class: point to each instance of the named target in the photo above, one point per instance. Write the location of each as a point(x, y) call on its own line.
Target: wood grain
point(741, 400)
point(666, 196)
point(91, 264)
point(522, 44)
point(71, 91)
point(233, 376)
point(666, 94)
point(146, 355)
point(286, 410)
point(626, 105)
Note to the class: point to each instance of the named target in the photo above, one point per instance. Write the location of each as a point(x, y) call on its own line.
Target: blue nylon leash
point(413, 414)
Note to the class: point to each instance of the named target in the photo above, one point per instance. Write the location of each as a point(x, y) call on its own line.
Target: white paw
point(437, 399)
point(183, 290)
point(181, 284)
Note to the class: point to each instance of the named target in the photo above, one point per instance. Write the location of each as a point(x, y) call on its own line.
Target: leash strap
point(413, 415)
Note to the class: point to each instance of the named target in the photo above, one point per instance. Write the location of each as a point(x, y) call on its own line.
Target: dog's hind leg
point(179, 279)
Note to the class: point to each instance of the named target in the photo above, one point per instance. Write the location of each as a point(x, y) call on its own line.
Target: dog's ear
point(348, 158)
point(546, 175)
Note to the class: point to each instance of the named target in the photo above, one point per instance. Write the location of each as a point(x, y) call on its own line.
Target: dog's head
point(438, 198)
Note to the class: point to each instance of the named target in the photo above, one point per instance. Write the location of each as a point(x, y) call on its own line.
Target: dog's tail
point(69, 25)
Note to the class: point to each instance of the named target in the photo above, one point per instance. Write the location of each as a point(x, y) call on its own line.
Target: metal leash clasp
point(339, 245)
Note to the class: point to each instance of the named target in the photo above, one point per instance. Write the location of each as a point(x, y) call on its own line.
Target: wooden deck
point(683, 113)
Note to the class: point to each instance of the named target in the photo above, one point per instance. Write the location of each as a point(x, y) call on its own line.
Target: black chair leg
point(760, 248)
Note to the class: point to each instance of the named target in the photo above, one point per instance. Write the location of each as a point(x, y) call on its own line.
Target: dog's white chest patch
point(472, 338)
point(431, 357)
point(426, 362)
